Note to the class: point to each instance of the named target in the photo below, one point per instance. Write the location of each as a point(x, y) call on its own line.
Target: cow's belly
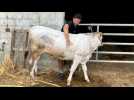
point(68, 56)
point(62, 54)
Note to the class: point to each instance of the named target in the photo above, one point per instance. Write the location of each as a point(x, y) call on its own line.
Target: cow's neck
point(95, 43)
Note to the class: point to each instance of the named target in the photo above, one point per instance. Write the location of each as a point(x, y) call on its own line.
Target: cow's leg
point(35, 57)
point(76, 62)
point(61, 74)
point(30, 61)
point(35, 67)
point(32, 53)
point(84, 68)
point(61, 65)
point(35, 63)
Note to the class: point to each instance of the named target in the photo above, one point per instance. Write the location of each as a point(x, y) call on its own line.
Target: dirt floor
point(101, 75)
point(113, 75)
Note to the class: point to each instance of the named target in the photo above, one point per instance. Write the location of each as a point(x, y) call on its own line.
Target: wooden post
point(18, 47)
point(26, 47)
point(12, 44)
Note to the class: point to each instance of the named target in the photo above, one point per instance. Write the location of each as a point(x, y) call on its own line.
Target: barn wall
point(5, 37)
point(27, 19)
point(24, 20)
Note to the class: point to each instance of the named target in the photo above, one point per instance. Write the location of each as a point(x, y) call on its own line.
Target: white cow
point(50, 41)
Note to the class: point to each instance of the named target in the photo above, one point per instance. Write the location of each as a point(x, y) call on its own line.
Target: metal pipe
point(95, 24)
point(107, 52)
point(97, 48)
point(114, 43)
point(118, 34)
point(111, 61)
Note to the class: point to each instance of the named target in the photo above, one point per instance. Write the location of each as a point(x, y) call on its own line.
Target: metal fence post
point(97, 48)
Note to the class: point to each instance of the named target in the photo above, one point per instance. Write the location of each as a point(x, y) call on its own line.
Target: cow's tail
point(28, 48)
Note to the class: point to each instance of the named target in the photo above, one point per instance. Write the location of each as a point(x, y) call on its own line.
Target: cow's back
point(39, 31)
point(43, 35)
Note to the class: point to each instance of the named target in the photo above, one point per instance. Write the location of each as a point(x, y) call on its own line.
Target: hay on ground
point(19, 78)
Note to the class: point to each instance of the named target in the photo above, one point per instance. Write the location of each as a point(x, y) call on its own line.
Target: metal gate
point(97, 52)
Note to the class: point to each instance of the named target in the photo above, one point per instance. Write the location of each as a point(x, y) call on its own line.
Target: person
point(73, 28)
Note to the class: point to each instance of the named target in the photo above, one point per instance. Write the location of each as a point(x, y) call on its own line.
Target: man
point(70, 27)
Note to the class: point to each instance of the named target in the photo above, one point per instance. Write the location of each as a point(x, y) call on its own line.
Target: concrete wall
point(24, 20)
point(27, 19)
point(5, 37)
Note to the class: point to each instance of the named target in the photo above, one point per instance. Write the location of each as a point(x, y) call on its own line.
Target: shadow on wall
point(48, 62)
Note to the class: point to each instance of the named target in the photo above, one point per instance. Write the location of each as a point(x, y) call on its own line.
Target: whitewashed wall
point(26, 19)
point(5, 37)
point(19, 20)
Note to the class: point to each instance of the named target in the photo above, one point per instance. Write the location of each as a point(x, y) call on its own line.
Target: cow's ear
point(98, 34)
point(101, 35)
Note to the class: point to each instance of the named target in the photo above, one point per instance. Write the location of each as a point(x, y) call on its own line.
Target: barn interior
point(101, 74)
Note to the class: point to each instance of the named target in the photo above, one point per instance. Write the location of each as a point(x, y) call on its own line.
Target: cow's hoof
point(32, 75)
point(88, 81)
point(36, 69)
point(68, 83)
point(61, 76)
point(30, 61)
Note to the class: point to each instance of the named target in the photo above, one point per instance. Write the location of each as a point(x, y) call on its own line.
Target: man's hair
point(78, 15)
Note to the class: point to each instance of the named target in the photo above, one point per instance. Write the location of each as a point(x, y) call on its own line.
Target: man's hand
point(68, 43)
point(66, 34)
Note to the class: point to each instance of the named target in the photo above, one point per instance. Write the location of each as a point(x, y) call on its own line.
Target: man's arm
point(66, 34)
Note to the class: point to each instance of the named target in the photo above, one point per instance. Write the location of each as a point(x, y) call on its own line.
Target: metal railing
point(113, 43)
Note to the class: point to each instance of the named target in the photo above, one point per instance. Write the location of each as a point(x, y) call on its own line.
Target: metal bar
point(107, 52)
point(97, 48)
point(112, 43)
point(111, 61)
point(95, 24)
point(118, 34)
point(97, 28)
